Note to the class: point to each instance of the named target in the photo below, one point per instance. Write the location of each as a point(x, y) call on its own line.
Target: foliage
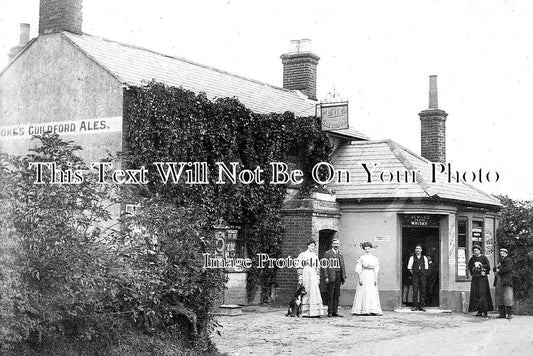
point(70, 275)
point(168, 124)
point(69, 278)
point(163, 277)
point(57, 259)
point(14, 326)
point(515, 233)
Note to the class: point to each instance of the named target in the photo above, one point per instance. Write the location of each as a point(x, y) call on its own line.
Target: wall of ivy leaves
point(169, 124)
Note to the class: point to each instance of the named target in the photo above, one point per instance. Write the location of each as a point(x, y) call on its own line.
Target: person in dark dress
point(480, 299)
point(504, 285)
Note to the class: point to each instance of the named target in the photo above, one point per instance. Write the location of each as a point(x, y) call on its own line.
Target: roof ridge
point(411, 152)
point(188, 61)
point(368, 142)
point(354, 132)
point(395, 149)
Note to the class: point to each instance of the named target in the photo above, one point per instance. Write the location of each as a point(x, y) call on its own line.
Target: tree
point(515, 233)
point(58, 257)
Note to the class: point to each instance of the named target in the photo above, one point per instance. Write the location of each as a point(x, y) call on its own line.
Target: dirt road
point(267, 331)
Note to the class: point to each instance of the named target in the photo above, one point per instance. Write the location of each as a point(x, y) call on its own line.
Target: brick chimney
point(299, 68)
point(56, 16)
point(23, 39)
point(433, 127)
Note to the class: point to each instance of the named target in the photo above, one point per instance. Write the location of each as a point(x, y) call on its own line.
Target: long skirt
point(312, 301)
point(504, 294)
point(366, 300)
point(480, 299)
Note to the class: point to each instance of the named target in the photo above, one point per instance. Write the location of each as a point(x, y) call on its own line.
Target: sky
point(376, 54)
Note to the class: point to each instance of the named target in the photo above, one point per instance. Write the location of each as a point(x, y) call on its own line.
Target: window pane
point(461, 236)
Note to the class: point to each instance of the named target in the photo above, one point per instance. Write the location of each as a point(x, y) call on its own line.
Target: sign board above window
point(420, 220)
point(334, 115)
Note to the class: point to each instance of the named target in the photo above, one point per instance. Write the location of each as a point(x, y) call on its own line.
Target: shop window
point(462, 249)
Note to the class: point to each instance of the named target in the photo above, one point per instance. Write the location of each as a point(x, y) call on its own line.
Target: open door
point(428, 238)
point(324, 243)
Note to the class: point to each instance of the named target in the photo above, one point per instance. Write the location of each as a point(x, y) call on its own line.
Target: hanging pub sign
point(334, 115)
point(420, 220)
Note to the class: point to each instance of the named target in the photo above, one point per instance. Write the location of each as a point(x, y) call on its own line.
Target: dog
point(295, 306)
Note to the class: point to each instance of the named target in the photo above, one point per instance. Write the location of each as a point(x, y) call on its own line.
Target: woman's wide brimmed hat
point(504, 249)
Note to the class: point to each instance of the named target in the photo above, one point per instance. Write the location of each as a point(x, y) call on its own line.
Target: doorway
point(428, 238)
point(325, 237)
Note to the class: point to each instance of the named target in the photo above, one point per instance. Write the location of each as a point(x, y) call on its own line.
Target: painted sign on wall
point(420, 220)
point(73, 127)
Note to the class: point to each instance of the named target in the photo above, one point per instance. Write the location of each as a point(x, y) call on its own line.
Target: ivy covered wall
point(169, 124)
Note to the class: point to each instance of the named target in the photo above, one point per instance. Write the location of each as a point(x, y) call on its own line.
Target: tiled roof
point(133, 65)
point(391, 157)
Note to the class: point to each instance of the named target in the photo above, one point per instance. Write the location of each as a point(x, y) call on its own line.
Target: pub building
point(74, 84)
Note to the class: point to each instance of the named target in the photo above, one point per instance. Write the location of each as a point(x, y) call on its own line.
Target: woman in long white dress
point(309, 276)
point(366, 300)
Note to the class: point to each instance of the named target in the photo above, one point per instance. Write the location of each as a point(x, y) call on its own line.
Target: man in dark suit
point(335, 274)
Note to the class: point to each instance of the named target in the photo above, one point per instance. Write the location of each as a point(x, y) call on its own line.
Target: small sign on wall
point(477, 235)
point(461, 262)
point(382, 238)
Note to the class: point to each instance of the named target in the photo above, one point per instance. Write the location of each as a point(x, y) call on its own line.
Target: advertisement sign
point(420, 220)
point(461, 262)
point(71, 127)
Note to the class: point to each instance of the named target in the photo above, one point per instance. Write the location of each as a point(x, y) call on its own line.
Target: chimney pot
point(295, 46)
point(433, 127)
point(24, 34)
point(305, 45)
point(433, 94)
point(24, 38)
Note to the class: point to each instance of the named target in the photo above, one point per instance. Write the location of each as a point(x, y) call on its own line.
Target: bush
point(56, 258)
point(70, 284)
point(163, 279)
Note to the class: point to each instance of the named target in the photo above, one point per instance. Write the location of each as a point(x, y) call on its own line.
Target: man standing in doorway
point(335, 276)
point(418, 266)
